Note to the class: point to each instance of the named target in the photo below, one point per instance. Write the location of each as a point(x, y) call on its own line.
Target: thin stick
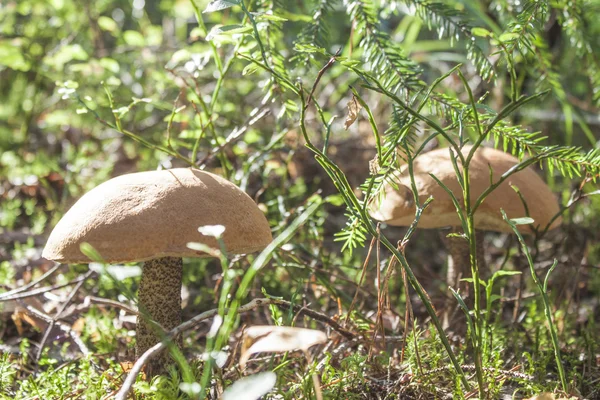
point(314, 315)
point(320, 75)
point(41, 290)
point(31, 284)
point(106, 302)
point(315, 377)
point(157, 348)
point(360, 281)
point(64, 327)
point(59, 313)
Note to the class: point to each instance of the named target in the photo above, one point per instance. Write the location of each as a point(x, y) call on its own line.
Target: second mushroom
point(395, 205)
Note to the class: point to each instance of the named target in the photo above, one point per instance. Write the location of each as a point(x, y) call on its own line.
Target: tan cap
point(396, 207)
point(146, 215)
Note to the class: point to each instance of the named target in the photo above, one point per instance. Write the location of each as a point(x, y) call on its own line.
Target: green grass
point(263, 104)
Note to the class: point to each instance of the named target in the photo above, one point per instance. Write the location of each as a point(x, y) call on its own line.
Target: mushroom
point(150, 217)
point(396, 204)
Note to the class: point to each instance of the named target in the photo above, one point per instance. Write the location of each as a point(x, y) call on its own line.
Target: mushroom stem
point(459, 267)
point(159, 300)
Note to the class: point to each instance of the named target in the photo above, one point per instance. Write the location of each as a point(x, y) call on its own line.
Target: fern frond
point(569, 161)
point(516, 140)
point(573, 21)
point(317, 33)
point(453, 24)
point(520, 34)
point(354, 234)
point(386, 59)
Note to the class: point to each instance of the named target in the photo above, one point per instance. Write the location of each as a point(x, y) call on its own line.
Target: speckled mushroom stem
point(160, 299)
point(459, 267)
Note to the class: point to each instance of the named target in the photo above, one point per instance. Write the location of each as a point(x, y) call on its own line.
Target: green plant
point(240, 89)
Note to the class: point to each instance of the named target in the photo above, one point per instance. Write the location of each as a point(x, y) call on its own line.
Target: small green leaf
point(217, 5)
point(494, 297)
point(268, 17)
point(12, 57)
point(121, 111)
point(227, 30)
point(113, 81)
point(107, 24)
point(197, 33)
point(134, 38)
point(65, 55)
point(481, 32)
point(249, 69)
point(335, 199)
point(291, 105)
point(522, 221)
point(350, 63)
point(470, 280)
point(502, 272)
point(109, 64)
point(91, 253)
point(508, 37)
point(309, 48)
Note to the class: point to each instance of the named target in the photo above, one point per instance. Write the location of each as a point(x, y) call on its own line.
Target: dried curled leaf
point(353, 109)
point(277, 339)
point(21, 314)
point(251, 387)
point(374, 166)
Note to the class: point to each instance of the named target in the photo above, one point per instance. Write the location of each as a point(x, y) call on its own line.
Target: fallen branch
point(59, 313)
point(157, 348)
point(7, 295)
point(314, 315)
point(63, 327)
point(42, 290)
point(88, 301)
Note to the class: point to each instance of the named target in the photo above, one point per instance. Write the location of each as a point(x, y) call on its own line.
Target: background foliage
point(94, 90)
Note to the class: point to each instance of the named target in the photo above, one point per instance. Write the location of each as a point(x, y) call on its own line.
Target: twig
point(157, 348)
point(64, 327)
point(314, 315)
point(506, 373)
point(320, 75)
point(41, 290)
point(59, 313)
point(89, 300)
point(360, 281)
point(6, 296)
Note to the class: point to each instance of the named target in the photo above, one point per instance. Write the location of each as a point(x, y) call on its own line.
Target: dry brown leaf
point(21, 314)
point(374, 167)
point(353, 109)
point(126, 366)
point(277, 339)
point(78, 325)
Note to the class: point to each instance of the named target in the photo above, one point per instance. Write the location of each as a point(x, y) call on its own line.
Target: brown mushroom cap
point(395, 207)
point(146, 215)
